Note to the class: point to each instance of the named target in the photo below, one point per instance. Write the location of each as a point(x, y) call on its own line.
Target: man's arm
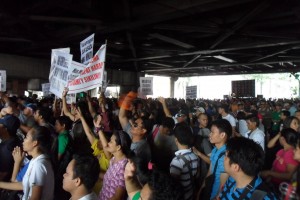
point(64, 105)
point(165, 107)
point(124, 106)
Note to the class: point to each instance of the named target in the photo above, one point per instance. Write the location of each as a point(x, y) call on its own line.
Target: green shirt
point(63, 141)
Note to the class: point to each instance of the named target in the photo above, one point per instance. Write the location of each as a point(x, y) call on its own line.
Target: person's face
point(164, 130)
point(278, 108)
point(297, 153)
point(227, 165)
point(297, 114)
point(295, 125)
point(146, 192)
point(215, 137)
point(69, 183)
point(181, 118)
point(282, 116)
point(220, 110)
point(203, 120)
point(27, 111)
point(112, 146)
point(29, 144)
point(251, 125)
point(137, 127)
point(59, 127)
point(36, 115)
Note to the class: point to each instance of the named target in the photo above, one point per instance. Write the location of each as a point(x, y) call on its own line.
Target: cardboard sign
point(191, 92)
point(61, 63)
point(92, 76)
point(3, 80)
point(146, 85)
point(86, 49)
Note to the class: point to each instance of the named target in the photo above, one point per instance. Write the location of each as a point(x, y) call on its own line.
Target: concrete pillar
point(172, 83)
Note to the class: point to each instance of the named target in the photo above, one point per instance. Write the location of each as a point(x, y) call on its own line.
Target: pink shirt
point(113, 178)
point(283, 158)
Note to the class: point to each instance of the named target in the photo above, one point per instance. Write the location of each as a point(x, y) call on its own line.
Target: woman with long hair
point(114, 182)
point(38, 181)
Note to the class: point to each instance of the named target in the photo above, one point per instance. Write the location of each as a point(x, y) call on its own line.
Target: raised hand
point(65, 92)
point(18, 154)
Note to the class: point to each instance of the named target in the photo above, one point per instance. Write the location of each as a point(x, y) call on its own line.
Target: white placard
point(61, 64)
point(146, 85)
point(71, 98)
point(46, 89)
point(3, 80)
point(75, 70)
point(63, 50)
point(86, 49)
point(92, 76)
point(191, 92)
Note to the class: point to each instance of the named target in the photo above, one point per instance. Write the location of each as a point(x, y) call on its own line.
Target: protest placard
point(75, 70)
point(3, 80)
point(86, 49)
point(64, 50)
point(191, 92)
point(46, 89)
point(61, 63)
point(92, 76)
point(146, 85)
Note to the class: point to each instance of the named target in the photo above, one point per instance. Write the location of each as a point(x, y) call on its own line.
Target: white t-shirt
point(257, 136)
point(91, 196)
point(39, 173)
point(231, 119)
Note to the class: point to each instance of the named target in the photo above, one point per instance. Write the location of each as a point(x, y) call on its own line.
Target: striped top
point(179, 168)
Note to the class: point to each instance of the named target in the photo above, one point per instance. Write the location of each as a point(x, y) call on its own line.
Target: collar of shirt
point(182, 151)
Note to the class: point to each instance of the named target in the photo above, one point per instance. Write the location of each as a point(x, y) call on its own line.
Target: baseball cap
point(32, 106)
point(181, 113)
point(200, 109)
point(11, 123)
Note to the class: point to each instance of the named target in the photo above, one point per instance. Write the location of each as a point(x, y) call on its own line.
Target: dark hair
point(253, 118)
point(41, 134)
point(45, 113)
point(225, 107)
point(147, 124)
point(163, 187)
point(64, 120)
point(168, 122)
point(86, 168)
point(246, 153)
point(286, 113)
point(123, 139)
point(290, 136)
point(183, 134)
point(241, 115)
point(224, 126)
point(288, 121)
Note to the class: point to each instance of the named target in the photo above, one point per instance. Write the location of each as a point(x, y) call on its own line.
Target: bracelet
point(100, 128)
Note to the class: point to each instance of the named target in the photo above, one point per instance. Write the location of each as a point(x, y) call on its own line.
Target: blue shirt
point(230, 192)
point(22, 172)
point(220, 168)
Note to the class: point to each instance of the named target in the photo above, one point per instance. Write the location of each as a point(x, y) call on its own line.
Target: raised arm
point(91, 109)
point(165, 107)
point(89, 134)
point(273, 141)
point(64, 106)
point(131, 182)
point(103, 140)
point(125, 106)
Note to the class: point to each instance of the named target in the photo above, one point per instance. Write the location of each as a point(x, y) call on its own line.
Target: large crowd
point(155, 149)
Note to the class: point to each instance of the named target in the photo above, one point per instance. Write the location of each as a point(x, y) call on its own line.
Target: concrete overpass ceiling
point(162, 37)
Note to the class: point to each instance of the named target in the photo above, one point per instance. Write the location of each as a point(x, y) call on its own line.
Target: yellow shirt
point(103, 162)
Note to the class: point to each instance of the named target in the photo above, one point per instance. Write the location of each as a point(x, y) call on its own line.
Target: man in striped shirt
point(185, 165)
